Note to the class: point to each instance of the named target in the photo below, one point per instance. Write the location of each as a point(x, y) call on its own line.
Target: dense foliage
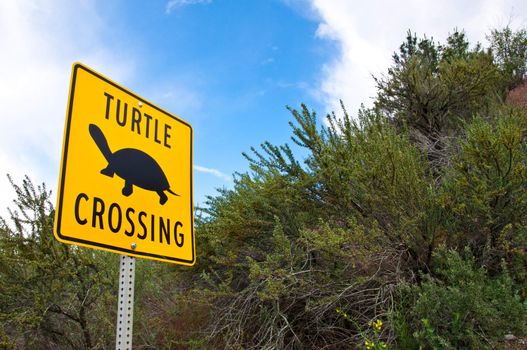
point(403, 227)
point(51, 295)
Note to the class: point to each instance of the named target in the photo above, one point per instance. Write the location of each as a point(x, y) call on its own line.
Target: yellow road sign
point(126, 180)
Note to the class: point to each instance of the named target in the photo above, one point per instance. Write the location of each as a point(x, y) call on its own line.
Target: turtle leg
point(108, 171)
point(162, 197)
point(127, 189)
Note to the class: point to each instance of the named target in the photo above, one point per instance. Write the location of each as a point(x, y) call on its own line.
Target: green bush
point(483, 194)
point(459, 306)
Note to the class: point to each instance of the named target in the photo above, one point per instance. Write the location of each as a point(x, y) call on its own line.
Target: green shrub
point(483, 193)
point(459, 306)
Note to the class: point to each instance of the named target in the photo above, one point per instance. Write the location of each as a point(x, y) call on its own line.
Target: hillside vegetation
point(404, 227)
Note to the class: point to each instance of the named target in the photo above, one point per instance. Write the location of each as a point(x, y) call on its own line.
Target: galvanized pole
point(125, 311)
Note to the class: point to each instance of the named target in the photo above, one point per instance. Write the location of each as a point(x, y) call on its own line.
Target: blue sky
point(229, 67)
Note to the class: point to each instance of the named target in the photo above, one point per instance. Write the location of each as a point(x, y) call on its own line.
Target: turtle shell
point(139, 169)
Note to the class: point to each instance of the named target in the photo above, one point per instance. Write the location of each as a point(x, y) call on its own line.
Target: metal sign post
point(125, 312)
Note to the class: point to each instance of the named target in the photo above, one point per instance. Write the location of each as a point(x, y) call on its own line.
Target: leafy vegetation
point(460, 305)
point(402, 228)
point(51, 295)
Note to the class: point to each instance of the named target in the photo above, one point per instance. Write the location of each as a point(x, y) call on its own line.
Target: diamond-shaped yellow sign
point(126, 179)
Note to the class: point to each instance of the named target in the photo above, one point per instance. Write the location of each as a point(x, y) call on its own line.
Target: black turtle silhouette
point(134, 166)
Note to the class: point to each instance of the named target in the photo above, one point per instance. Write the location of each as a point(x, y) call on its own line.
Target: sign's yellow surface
point(126, 180)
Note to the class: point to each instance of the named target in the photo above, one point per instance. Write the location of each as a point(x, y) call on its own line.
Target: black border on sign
point(58, 216)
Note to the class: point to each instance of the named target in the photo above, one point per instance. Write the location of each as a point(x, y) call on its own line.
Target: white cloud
point(173, 4)
point(39, 42)
point(267, 61)
point(177, 98)
point(367, 33)
point(212, 171)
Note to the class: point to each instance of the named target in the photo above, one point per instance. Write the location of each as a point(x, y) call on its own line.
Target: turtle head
point(100, 140)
